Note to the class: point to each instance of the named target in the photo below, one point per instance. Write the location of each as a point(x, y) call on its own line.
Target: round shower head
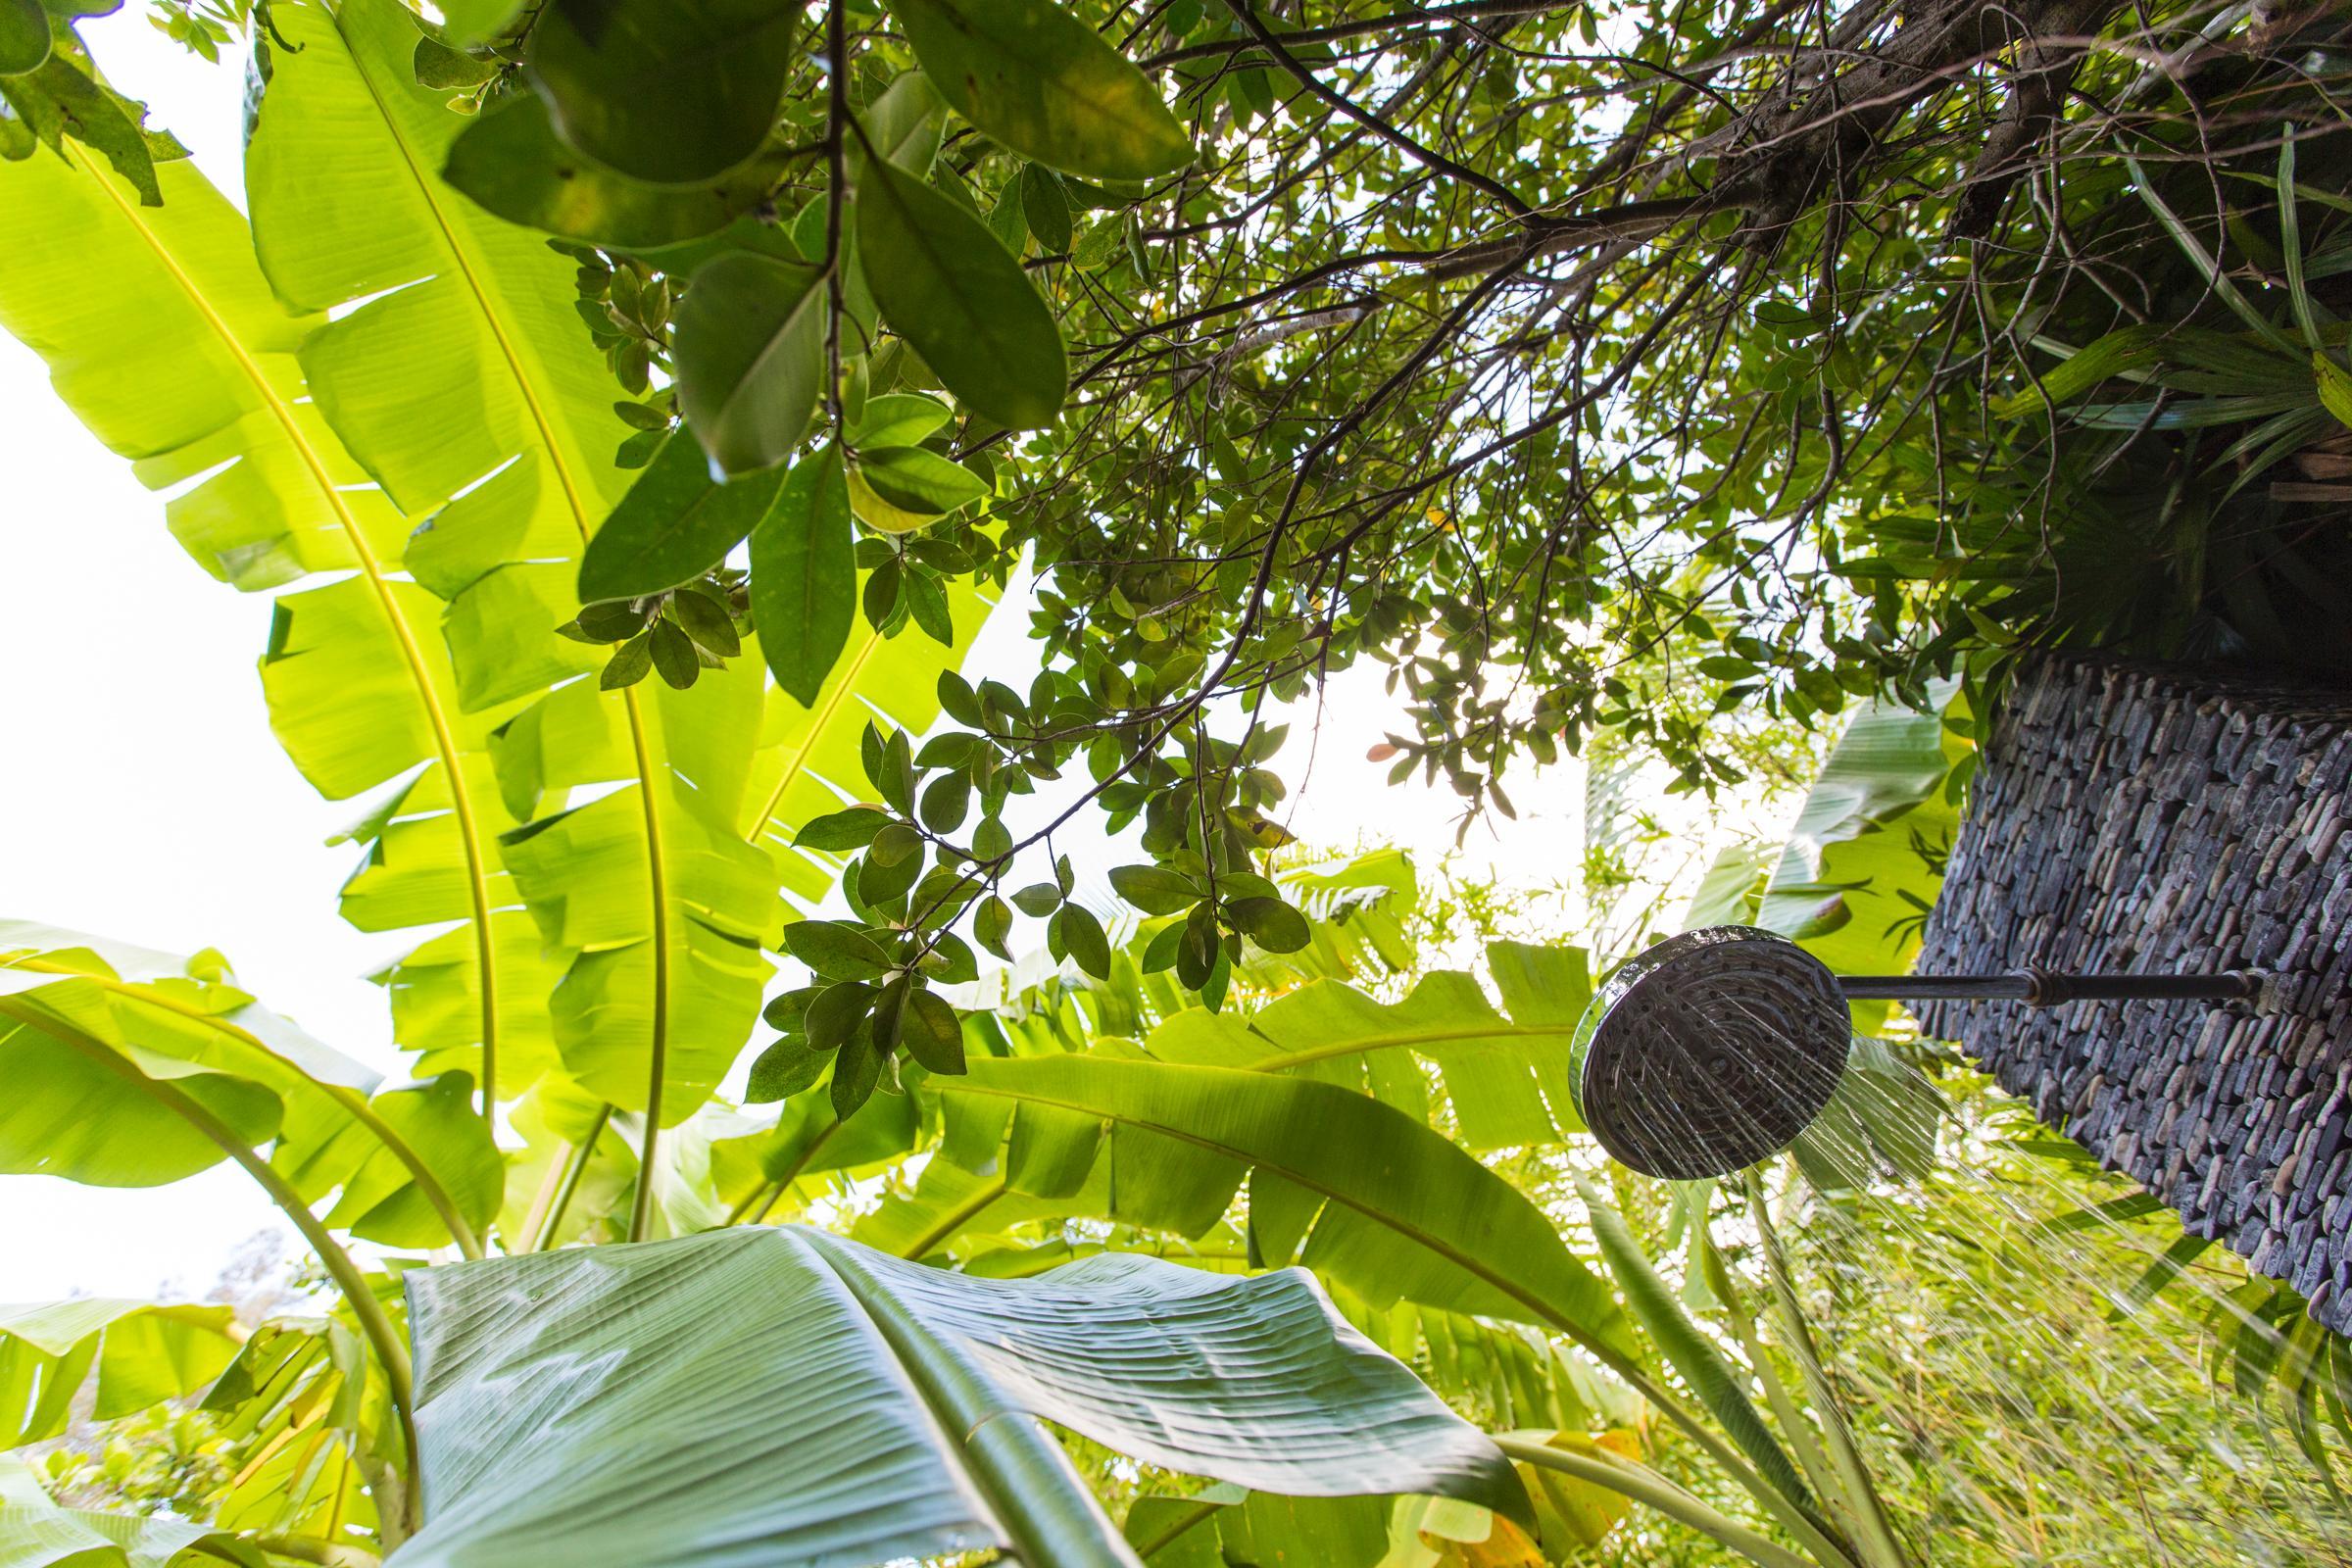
point(1709, 1051)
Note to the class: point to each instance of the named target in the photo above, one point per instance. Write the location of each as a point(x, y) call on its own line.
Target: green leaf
point(1393, 1209)
point(1038, 898)
point(511, 161)
point(24, 37)
point(836, 1013)
point(67, 1116)
point(2335, 387)
point(1154, 889)
point(927, 604)
point(1503, 1078)
point(674, 525)
point(1081, 935)
point(706, 620)
point(805, 576)
point(749, 345)
point(1868, 840)
point(467, 22)
point(851, 829)
point(64, 98)
point(144, 1356)
point(874, 1410)
point(1036, 79)
point(992, 923)
point(899, 419)
point(673, 91)
point(34, 1533)
point(1271, 923)
point(783, 1070)
point(377, 1194)
point(1703, 1367)
point(920, 481)
point(1046, 207)
point(945, 801)
point(952, 291)
point(836, 951)
point(630, 663)
point(2123, 349)
point(906, 123)
point(674, 656)
point(933, 1035)
point(858, 1068)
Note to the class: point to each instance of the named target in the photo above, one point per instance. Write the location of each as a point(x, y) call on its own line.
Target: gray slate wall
point(2134, 817)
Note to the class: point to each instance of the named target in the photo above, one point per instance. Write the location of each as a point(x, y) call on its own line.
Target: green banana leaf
point(1865, 854)
point(1854, 885)
point(143, 1355)
point(1356, 1188)
point(780, 1395)
point(299, 1400)
point(453, 422)
point(83, 1538)
point(1505, 1078)
point(411, 1166)
point(162, 335)
point(472, 395)
point(1704, 1369)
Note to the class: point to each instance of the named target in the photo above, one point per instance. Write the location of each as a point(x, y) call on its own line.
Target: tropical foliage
point(634, 410)
point(1634, 373)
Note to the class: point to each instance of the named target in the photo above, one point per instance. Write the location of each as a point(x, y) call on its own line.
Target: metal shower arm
point(2044, 988)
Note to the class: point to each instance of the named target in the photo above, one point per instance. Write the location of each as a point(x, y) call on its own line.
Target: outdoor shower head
point(1714, 1049)
point(1709, 1051)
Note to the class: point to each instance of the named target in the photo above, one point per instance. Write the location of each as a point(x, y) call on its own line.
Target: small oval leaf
point(672, 525)
point(750, 348)
point(673, 91)
point(950, 289)
point(1046, 85)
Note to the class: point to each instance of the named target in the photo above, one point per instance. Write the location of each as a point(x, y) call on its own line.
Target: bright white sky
point(146, 800)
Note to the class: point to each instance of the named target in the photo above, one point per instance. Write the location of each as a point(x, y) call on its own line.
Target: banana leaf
point(780, 1395)
point(1367, 1195)
point(143, 1355)
point(1505, 1077)
point(411, 1166)
point(163, 336)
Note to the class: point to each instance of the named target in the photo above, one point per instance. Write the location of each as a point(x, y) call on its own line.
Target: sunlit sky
point(145, 798)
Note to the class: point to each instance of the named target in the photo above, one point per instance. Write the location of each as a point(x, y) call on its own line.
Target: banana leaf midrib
point(412, 652)
point(1014, 1509)
point(658, 1048)
point(1360, 1046)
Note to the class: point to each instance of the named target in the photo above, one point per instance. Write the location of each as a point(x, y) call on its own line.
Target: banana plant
point(376, 400)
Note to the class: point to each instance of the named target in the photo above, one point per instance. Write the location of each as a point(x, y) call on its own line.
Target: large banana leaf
point(143, 1355)
point(411, 1165)
point(1506, 1078)
point(452, 422)
point(1353, 1188)
point(162, 335)
point(459, 378)
point(1865, 854)
point(780, 1395)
